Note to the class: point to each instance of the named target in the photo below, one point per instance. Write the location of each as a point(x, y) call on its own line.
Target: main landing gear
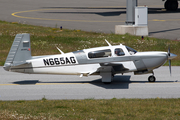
point(107, 77)
point(171, 5)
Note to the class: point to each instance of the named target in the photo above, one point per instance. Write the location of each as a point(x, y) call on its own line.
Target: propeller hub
point(171, 56)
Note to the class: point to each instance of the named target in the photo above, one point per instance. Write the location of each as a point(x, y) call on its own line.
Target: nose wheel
point(151, 78)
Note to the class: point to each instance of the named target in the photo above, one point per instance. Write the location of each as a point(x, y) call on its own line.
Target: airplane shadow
point(119, 82)
point(122, 10)
point(26, 82)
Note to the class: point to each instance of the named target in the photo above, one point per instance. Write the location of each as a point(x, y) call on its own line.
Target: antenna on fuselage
point(108, 43)
point(60, 50)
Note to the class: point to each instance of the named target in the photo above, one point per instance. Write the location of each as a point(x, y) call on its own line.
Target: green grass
point(114, 109)
point(44, 40)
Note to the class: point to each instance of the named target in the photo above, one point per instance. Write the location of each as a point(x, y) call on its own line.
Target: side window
point(100, 53)
point(119, 52)
point(131, 50)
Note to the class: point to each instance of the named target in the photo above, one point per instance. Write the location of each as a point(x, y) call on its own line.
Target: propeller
point(170, 56)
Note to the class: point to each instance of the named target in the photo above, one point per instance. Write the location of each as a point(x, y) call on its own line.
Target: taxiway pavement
point(17, 86)
point(90, 15)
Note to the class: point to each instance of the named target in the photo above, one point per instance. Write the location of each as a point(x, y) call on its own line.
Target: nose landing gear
point(151, 78)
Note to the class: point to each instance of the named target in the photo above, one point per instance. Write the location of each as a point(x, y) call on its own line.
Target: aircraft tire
point(107, 82)
point(174, 5)
point(151, 78)
point(166, 5)
point(171, 5)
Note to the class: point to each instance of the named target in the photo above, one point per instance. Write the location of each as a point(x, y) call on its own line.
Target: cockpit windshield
point(131, 50)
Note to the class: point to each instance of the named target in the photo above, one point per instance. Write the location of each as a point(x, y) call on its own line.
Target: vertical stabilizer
point(20, 51)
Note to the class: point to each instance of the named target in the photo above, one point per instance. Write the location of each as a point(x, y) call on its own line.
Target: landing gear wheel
point(167, 5)
point(151, 78)
point(171, 5)
point(107, 82)
point(174, 5)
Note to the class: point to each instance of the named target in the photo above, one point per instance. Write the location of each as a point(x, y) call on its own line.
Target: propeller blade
point(169, 54)
point(169, 51)
point(170, 67)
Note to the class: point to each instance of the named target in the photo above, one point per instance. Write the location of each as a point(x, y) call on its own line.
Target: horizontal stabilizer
point(21, 63)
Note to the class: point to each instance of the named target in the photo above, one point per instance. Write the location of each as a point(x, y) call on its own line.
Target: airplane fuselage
point(78, 62)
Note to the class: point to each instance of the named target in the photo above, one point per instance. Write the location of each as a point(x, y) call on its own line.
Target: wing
point(107, 67)
point(114, 67)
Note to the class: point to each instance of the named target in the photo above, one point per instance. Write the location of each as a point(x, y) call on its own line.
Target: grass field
point(44, 40)
point(89, 109)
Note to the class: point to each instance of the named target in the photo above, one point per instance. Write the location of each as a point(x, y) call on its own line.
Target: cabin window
point(119, 52)
point(100, 53)
point(131, 50)
point(26, 44)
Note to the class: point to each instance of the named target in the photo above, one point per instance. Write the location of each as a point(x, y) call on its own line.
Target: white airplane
point(105, 61)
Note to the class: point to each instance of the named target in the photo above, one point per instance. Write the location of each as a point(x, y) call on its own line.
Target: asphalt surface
point(89, 15)
point(17, 86)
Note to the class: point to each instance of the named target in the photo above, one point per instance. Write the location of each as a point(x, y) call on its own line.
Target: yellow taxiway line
point(35, 18)
point(15, 15)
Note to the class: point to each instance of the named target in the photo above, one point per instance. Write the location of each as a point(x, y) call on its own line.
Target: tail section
point(20, 51)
